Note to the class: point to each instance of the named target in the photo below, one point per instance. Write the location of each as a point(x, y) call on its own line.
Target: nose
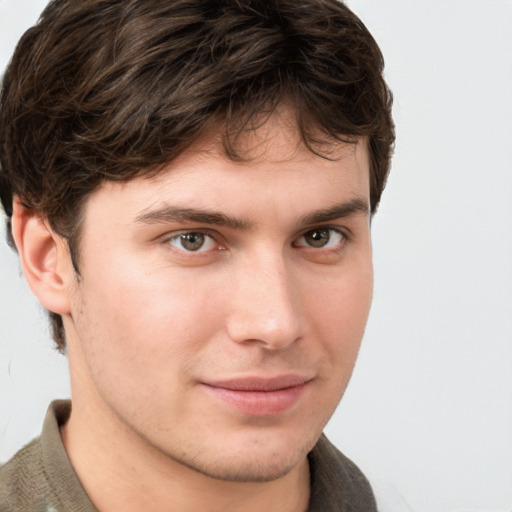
point(265, 305)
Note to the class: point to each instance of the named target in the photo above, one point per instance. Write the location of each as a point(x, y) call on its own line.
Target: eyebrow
point(357, 205)
point(173, 214)
point(169, 213)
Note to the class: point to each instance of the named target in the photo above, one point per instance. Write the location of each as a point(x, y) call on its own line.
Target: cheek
point(340, 311)
point(142, 337)
point(146, 316)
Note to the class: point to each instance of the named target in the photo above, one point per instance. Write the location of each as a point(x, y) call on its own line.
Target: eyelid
point(339, 229)
point(183, 231)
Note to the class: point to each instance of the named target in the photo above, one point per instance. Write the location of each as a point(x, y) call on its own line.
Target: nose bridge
point(265, 305)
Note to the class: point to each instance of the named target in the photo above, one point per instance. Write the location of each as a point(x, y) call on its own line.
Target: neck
point(120, 471)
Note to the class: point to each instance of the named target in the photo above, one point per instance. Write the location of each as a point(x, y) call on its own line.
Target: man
point(189, 186)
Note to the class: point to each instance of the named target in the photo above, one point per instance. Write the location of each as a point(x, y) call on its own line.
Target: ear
point(44, 257)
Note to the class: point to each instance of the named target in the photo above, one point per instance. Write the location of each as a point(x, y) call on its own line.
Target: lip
point(259, 396)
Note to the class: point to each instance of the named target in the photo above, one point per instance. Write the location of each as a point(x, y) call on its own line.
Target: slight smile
point(257, 396)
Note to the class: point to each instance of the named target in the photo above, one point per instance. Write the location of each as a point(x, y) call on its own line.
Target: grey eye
point(192, 241)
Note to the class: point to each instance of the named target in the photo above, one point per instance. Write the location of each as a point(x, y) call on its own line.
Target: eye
point(193, 241)
point(321, 238)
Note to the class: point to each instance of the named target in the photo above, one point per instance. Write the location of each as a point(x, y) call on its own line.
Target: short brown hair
point(111, 89)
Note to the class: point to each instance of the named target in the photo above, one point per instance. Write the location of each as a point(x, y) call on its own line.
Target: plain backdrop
point(429, 408)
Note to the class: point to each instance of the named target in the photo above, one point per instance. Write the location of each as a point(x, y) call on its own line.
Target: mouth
point(257, 396)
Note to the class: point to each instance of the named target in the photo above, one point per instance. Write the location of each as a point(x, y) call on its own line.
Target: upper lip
point(260, 383)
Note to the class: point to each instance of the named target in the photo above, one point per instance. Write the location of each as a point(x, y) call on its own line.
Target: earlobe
point(44, 257)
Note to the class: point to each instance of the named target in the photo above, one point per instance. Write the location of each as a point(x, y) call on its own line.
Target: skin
point(151, 324)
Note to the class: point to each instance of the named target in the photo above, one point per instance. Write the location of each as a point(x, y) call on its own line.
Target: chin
point(260, 459)
point(243, 470)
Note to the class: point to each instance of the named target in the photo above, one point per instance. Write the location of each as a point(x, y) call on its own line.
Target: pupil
point(192, 241)
point(318, 237)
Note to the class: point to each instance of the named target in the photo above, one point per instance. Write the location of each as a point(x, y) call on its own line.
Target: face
point(221, 305)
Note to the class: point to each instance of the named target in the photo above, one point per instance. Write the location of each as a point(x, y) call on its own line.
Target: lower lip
point(259, 403)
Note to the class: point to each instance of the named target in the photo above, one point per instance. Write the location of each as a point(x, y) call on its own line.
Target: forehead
point(275, 137)
point(275, 168)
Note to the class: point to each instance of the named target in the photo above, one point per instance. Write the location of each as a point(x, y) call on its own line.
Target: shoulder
point(22, 480)
point(334, 475)
point(40, 478)
point(336, 482)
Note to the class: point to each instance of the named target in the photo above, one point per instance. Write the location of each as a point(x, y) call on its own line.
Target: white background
point(429, 409)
